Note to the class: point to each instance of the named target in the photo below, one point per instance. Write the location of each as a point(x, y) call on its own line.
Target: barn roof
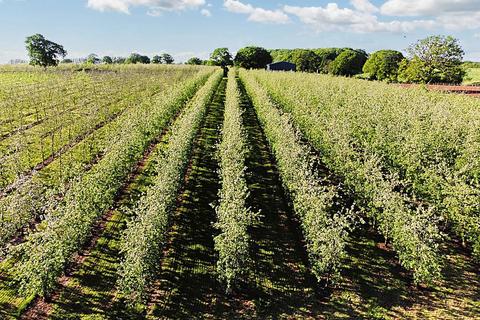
point(281, 63)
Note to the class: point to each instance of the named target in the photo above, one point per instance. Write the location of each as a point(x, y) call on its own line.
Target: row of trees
point(134, 58)
point(436, 59)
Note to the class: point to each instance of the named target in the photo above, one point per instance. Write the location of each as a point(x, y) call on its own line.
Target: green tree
point(135, 58)
point(348, 63)
point(157, 59)
point(167, 58)
point(436, 59)
point(326, 56)
point(221, 57)
point(195, 61)
point(383, 65)
point(43, 52)
point(107, 60)
point(253, 58)
point(306, 60)
point(119, 60)
point(93, 59)
point(67, 61)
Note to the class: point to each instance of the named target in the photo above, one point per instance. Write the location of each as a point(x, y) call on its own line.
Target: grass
point(472, 77)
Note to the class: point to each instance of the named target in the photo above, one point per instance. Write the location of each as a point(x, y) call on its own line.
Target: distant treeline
point(435, 59)
point(320, 60)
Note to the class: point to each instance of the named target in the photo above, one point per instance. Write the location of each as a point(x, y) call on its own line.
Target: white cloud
point(364, 6)
point(332, 17)
point(256, 14)
point(428, 7)
point(155, 7)
point(206, 13)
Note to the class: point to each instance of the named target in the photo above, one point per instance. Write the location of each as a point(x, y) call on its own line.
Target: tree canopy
point(308, 60)
point(167, 58)
point(221, 57)
point(43, 52)
point(436, 59)
point(137, 58)
point(107, 60)
point(383, 65)
point(194, 61)
point(350, 62)
point(93, 59)
point(253, 58)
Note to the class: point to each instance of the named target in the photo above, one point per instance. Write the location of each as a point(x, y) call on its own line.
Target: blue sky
point(187, 28)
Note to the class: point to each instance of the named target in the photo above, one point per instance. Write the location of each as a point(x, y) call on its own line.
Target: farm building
point(281, 66)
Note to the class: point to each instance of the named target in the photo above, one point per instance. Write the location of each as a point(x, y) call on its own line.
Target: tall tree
point(253, 58)
point(167, 58)
point(348, 63)
point(157, 59)
point(43, 52)
point(137, 58)
point(107, 60)
point(221, 57)
point(383, 65)
point(93, 59)
point(434, 59)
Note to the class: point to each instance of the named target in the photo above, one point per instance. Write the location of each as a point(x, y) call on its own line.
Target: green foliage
point(119, 60)
point(471, 64)
point(142, 241)
point(167, 58)
point(221, 57)
point(233, 217)
point(314, 60)
point(325, 230)
point(93, 59)
point(369, 136)
point(252, 58)
point(306, 60)
point(348, 63)
point(45, 253)
point(194, 61)
point(108, 102)
point(135, 58)
point(164, 58)
point(436, 59)
point(157, 59)
point(107, 60)
point(472, 76)
point(43, 52)
point(383, 65)
point(67, 61)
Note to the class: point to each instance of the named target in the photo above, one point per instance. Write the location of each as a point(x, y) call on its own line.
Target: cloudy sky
point(188, 28)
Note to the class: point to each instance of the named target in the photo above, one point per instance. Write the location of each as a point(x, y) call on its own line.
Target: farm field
point(172, 192)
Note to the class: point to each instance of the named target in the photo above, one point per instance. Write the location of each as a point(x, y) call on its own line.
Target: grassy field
point(169, 192)
point(472, 77)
